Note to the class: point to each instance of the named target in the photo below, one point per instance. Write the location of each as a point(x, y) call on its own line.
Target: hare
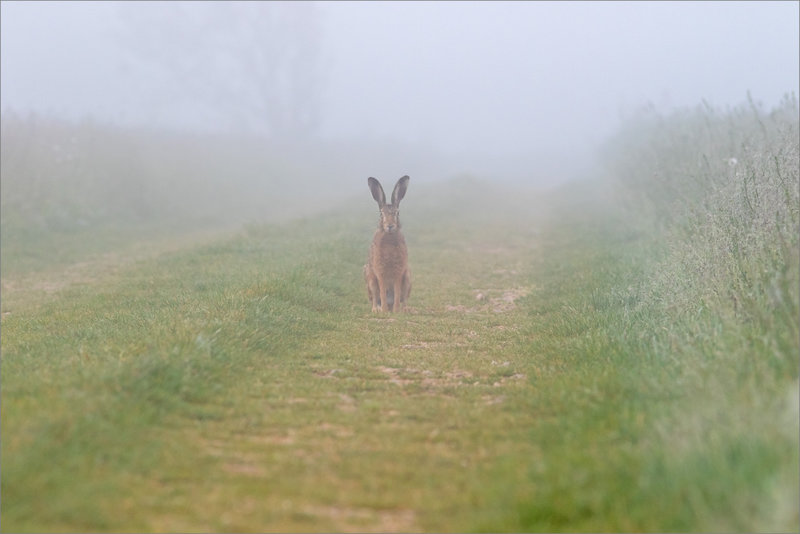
point(386, 272)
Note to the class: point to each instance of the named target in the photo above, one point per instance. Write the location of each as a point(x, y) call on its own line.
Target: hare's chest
point(389, 253)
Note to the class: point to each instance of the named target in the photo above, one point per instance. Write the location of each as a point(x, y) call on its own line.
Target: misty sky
point(495, 79)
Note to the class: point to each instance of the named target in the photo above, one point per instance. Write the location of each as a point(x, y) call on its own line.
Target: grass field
point(556, 370)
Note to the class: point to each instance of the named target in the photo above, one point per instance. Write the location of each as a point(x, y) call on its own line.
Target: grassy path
point(244, 385)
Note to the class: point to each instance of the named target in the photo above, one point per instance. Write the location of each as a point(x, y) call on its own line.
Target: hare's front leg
point(372, 287)
point(372, 292)
point(398, 295)
point(384, 301)
point(406, 286)
point(371, 295)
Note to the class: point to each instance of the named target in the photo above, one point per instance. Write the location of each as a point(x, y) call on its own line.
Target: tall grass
point(723, 191)
point(72, 190)
point(713, 200)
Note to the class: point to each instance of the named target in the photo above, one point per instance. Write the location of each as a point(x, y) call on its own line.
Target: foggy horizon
point(495, 88)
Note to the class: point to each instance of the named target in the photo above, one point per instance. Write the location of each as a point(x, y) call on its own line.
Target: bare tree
point(255, 65)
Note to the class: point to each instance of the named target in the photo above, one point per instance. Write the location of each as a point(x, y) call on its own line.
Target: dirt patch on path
point(492, 300)
point(436, 381)
point(353, 519)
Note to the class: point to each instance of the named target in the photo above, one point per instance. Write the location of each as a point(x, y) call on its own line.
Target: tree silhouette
point(256, 65)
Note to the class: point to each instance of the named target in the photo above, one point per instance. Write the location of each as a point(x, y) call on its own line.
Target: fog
point(505, 90)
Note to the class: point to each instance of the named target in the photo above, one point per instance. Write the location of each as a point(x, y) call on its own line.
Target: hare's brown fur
point(386, 272)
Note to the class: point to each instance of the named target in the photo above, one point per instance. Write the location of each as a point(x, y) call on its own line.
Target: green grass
point(563, 366)
point(244, 385)
point(652, 438)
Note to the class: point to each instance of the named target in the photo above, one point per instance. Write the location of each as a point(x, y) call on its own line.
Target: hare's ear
point(377, 191)
point(400, 190)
